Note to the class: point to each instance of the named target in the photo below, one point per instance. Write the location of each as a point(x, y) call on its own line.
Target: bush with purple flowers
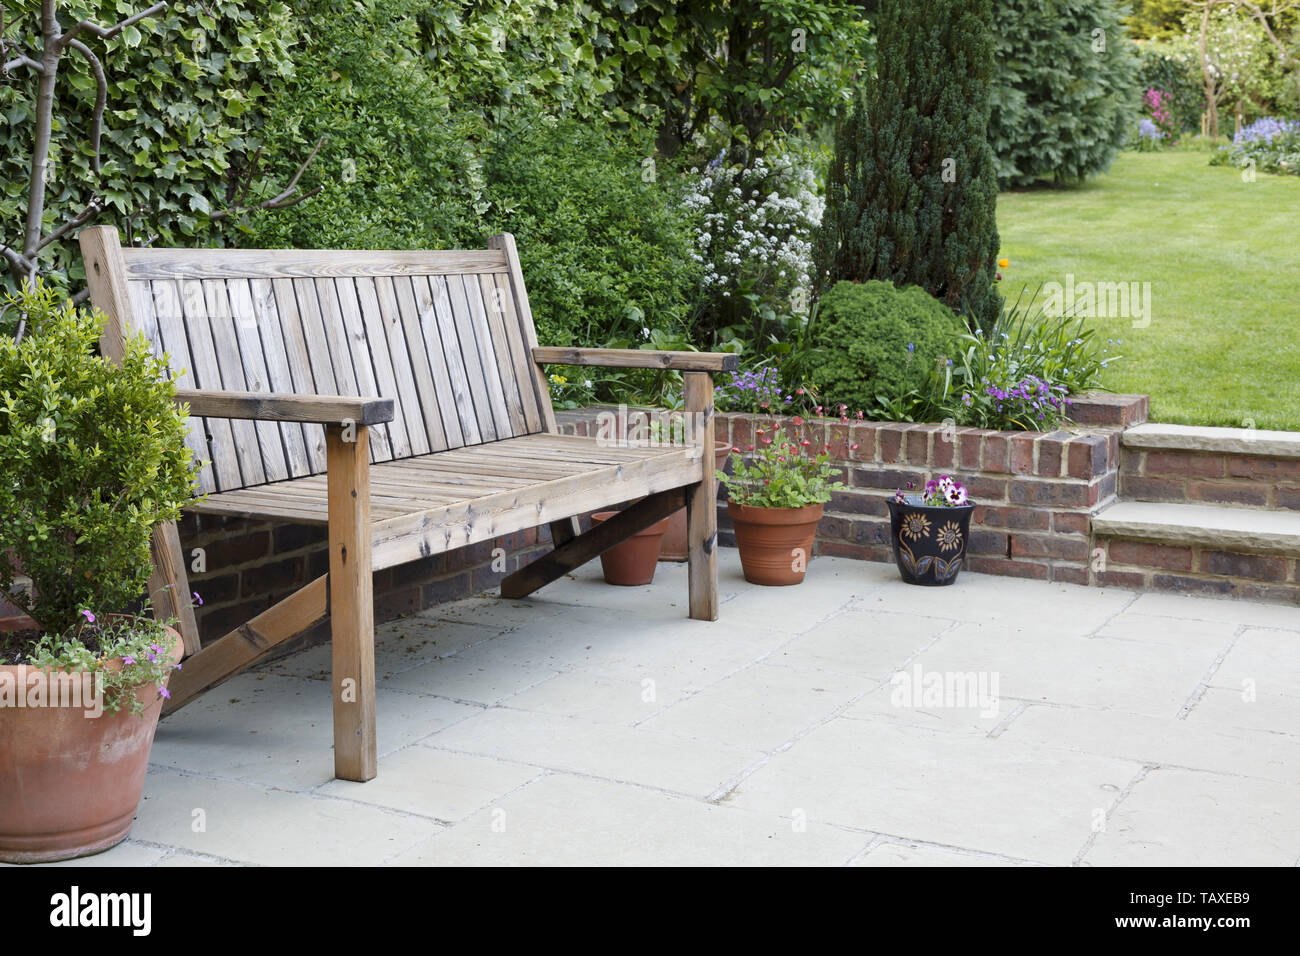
point(1019, 375)
point(1270, 145)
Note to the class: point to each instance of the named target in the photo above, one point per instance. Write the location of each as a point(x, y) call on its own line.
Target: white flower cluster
point(757, 224)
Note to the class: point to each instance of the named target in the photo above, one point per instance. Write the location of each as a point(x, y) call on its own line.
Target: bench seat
point(476, 493)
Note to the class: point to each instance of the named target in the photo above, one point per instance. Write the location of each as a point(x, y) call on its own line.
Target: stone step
point(1207, 526)
point(1198, 548)
point(1184, 464)
point(1223, 441)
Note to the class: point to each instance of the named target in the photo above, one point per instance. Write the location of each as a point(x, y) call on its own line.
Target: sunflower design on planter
point(949, 537)
point(924, 558)
point(916, 526)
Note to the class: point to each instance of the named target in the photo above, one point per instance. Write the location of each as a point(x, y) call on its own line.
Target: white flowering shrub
point(754, 239)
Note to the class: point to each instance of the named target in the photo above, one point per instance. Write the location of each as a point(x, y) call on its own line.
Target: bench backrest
point(446, 335)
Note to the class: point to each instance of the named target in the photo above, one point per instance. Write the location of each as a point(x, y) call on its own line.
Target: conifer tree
point(912, 193)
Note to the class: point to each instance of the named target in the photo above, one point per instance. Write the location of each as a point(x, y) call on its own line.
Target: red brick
point(1008, 567)
point(1048, 493)
point(1130, 461)
point(1071, 522)
point(1288, 498)
point(943, 449)
point(1281, 593)
point(1101, 408)
point(891, 443)
point(1069, 575)
point(871, 533)
point(1228, 492)
point(1022, 453)
point(1120, 579)
point(1152, 489)
point(863, 435)
point(996, 456)
point(231, 552)
point(1049, 546)
point(1087, 456)
point(1145, 555)
point(1051, 454)
point(1258, 566)
point(917, 444)
point(970, 442)
point(982, 489)
point(987, 542)
point(1184, 463)
point(1015, 519)
point(885, 478)
point(1189, 585)
point(1264, 469)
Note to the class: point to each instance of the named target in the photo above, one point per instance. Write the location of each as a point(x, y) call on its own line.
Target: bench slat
point(278, 374)
point(304, 263)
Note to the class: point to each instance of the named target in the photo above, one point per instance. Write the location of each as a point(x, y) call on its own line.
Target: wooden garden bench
point(399, 399)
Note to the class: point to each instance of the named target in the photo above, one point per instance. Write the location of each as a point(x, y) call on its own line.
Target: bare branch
point(80, 297)
point(15, 258)
point(93, 209)
point(21, 60)
point(107, 33)
point(101, 99)
point(285, 198)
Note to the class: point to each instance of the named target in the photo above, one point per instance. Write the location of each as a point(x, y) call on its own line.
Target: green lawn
point(1223, 260)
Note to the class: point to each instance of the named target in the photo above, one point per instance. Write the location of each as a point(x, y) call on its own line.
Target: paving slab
point(974, 793)
point(562, 820)
point(253, 824)
point(632, 754)
point(1035, 663)
point(1177, 817)
point(279, 731)
point(597, 725)
point(760, 707)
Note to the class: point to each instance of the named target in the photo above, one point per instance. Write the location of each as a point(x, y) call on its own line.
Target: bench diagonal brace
point(591, 544)
point(228, 656)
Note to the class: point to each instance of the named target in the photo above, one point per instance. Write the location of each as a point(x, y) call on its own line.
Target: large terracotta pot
point(775, 544)
point(632, 561)
point(674, 546)
point(929, 542)
point(70, 783)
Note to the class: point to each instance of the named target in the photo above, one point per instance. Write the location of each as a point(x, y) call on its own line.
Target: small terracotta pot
point(70, 783)
point(632, 562)
point(674, 546)
point(775, 544)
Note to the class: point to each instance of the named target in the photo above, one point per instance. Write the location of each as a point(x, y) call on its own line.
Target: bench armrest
point(282, 407)
point(639, 358)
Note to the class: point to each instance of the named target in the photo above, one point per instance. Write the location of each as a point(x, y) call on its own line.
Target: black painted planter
point(929, 543)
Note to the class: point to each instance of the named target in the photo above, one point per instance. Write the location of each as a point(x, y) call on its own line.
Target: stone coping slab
point(1234, 441)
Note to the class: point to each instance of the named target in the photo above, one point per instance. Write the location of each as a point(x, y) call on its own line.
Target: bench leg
point(702, 504)
point(352, 616)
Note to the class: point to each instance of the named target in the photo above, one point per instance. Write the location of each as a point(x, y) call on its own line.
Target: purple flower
point(90, 618)
point(128, 659)
point(164, 693)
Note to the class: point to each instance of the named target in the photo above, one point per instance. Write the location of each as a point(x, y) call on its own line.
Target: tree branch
point(285, 198)
point(101, 99)
point(21, 60)
point(93, 209)
point(107, 33)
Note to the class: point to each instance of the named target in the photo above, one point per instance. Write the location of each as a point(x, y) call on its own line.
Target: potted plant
point(632, 561)
point(775, 501)
point(930, 530)
point(92, 459)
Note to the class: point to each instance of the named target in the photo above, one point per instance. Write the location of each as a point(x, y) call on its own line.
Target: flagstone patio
point(598, 725)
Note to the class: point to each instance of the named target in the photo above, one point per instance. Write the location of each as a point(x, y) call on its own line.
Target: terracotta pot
point(929, 542)
point(674, 546)
point(632, 561)
point(775, 543)
point(70, 783)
